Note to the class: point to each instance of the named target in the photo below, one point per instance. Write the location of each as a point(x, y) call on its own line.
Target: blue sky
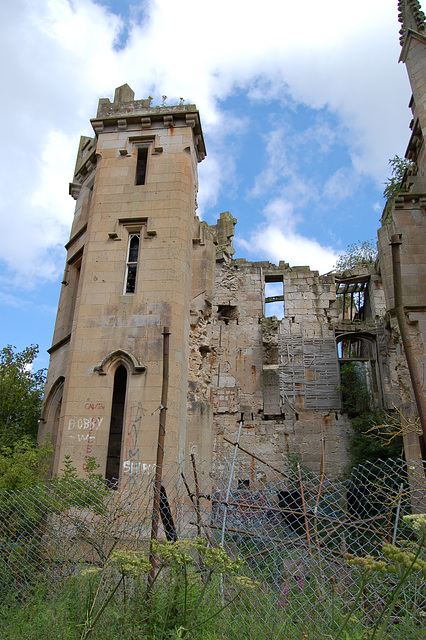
point(302, 105)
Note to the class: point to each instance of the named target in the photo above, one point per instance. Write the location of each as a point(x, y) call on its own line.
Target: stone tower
point(134, 241)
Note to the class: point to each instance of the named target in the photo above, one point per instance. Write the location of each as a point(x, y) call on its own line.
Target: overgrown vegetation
point(393, 185)
point(116, 599)
point(74, 563)
point(368, 442)
point(200, 593)
point(24, 465)
point(27, 501)
point(21, 394)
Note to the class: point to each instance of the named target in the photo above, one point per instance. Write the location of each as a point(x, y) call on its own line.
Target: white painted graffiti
point(135, 468)
point(84, 423)
point(85, 437)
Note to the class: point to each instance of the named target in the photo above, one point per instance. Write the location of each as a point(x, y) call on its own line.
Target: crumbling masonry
point(139, 260)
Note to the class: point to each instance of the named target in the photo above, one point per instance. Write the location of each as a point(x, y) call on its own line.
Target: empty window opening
point(355, 347)
point(141, 165)
point(351, 297)
point(357, 387)
point(71, 280)
point(274, 297)
point(52, 415)
point(112, 472)
point(75, 272)
point(132, 263)
point(359, 373)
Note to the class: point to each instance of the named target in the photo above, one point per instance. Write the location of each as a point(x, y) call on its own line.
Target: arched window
point(132, 263)
point(112, 472)
point(49, 425)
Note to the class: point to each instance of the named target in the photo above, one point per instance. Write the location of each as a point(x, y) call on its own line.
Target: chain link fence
point(293, 530)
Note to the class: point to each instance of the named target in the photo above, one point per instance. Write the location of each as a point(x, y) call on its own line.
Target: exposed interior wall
point(282, 375)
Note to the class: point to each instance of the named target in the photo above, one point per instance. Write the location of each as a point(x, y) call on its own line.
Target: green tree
point(393, 185)
point(357, 254)
point(21, 393)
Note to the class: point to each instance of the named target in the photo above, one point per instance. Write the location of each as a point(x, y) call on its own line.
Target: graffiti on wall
point(131, 440)
point(82, 429)
point(132, 464)
point(135, 468)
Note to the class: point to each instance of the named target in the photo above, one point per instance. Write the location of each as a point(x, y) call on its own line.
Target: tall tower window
point(74, 278)
point(274, 296)
point(141, 165)
point(132, 263)
point(112, 472)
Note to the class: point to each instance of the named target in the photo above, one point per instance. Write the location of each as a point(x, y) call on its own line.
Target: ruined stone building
point(139, 260)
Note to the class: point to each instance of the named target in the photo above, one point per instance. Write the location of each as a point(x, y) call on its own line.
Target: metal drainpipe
point(396, 241)
point(160, 457)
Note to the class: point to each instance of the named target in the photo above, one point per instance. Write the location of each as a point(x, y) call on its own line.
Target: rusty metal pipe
point(160, 452)
point(396, 241)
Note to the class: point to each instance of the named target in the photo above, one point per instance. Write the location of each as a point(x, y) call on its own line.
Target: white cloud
point(56, 162)
point(290, 181)
point(52, 49)
point(341, 184)
point(277, 166)
point(9, 300)
point(219, 171)
point(280, 213)
point(281, 245)
point(210, 182)
point(62, 56)
point(288, 158)
point(279, 240)
point(40, 211)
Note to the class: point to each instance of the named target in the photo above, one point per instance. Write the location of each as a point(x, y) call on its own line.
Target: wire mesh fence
point(295, 532)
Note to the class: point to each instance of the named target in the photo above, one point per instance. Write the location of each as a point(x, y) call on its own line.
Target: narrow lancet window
point(112, 473)
point(132, 263)
point(141, 165)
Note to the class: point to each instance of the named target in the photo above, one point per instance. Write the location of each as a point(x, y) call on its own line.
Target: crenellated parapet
point(127, 114)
